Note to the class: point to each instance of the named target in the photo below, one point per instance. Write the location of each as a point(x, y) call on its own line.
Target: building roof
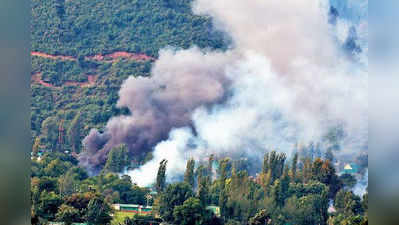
point(347, 167)
point(133, 206)
point(351, 168)
point(214, 209)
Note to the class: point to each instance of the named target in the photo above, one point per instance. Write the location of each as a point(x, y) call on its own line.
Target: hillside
point(82, 51)
point(264, 121)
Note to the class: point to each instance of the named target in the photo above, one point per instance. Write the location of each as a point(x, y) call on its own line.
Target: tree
point(98, 211)
point(329, 155)
point(141, 220)
point(294, 165)
point(203, 189)
point(67, 214)
point(277, 193)
point(56, 168)
point(192, 212)
point(275, 163)
point(240, 192)
point(348, 180)
point(209, 172)
point(308, 204)
point(309, 209)
point(222, 182)
point(48, 184)
point(348, 203)
point(68, 183)
point(284, 185)
point(266, 165)
point(307, 170)
point(161, 176)
point(79, 201)
point(73, 133)
point(365, 202)
point(36, 146)
point(118, 159)
point(189, 174)
point(48, 205)
point(210, 168)
point(126, 191)
point(266, 180)
point(80, 173)
point(324, 172)
point(50, 132)
point(174, 195)
point(261, 218)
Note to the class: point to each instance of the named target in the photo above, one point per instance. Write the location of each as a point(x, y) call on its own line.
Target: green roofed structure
point(215, 210)
point(133, 208)
point(351, 168)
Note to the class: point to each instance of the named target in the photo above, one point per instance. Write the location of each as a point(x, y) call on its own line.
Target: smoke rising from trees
point(284, 80)
point(180, 82)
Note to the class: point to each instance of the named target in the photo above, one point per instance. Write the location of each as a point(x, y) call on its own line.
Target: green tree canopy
point(98, 211)
point(161, 176)
point(67, 214)
point(192, 212)
point(118, 159)
point(174, 195)
point(189, 174)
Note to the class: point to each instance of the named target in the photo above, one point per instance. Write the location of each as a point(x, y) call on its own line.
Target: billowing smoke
point(181, 81)
point(361, 186)
point(286, 79)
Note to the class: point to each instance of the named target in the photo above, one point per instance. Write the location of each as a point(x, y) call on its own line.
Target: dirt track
point(91, 80)
point(113, 57)
point(48, 56)
point(117, 55)
point(104, 58)
point(37, 78)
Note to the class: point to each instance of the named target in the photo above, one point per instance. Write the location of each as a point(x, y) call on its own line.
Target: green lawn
point(120, 216)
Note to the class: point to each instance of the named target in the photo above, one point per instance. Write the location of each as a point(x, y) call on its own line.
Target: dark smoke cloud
point(94, 141)
point(180, 82)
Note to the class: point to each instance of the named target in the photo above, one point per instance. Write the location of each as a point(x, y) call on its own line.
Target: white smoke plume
point(286, 79)
point(361, 186)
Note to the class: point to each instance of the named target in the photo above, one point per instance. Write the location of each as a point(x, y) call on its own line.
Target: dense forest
point(298, 191)
point(82, 27)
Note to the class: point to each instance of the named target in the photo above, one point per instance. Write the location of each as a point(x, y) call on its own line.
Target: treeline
point(298, 191)
point(301, 192)
point(62, 191)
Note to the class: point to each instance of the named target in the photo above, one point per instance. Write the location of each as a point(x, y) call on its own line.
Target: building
point(215, 210)
point(351, 168)
point(133, 208)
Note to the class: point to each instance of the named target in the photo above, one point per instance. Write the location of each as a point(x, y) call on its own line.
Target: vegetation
point(72, 93)
point(278, 194)
point(85, 28)
point(161, 176)
point(118, 159)
point(80, 29)
point(189, 175)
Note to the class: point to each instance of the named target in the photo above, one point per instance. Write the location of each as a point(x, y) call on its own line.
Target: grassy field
point(120, 216)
